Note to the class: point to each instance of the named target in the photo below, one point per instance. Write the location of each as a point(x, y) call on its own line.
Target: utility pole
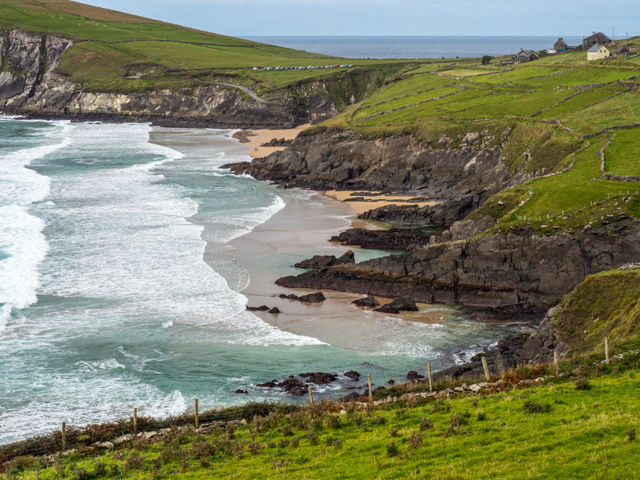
point(614, 34)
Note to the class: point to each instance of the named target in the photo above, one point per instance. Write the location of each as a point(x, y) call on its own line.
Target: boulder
point(402, 304)
point(414, 376)
point(319, 378)
point(241, 392)
point(369, 301)
point(262, 308)
point(324, 261)
point(294, 386)
point(352, 374)
point(317, 297)
point(274, 310)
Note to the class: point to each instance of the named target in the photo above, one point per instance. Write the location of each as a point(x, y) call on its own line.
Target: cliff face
point(519, 269)
point(30, 85)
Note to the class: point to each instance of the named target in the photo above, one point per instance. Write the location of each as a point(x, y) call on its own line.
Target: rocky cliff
point(31, 85)
point(520, 269)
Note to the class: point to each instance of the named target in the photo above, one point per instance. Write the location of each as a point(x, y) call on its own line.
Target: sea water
point(119, 287)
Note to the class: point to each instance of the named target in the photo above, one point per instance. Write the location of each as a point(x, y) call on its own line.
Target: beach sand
point(300, 231)
point(375, 199)
point(255, 138)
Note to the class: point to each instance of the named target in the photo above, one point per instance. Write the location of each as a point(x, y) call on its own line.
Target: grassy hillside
point(604, 305)
point(558, 115)
point(120, 52)
point(550, 431)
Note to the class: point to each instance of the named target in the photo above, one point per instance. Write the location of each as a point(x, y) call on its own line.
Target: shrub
point(333, 421)
point(100, 469)
point(392, 450)
point(631, 434)
point(582, 384)
point(481, 416)
point(313, 439)
point(535, 407)
point(425, 424)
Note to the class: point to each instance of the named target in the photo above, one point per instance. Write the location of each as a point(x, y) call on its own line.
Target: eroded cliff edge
point(32, 85)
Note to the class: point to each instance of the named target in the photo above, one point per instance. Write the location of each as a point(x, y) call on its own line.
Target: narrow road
point(246, 90)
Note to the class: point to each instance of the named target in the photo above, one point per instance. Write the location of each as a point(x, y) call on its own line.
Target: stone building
point(595, 39)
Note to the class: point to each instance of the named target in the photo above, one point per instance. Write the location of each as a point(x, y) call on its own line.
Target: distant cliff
point(31, 85)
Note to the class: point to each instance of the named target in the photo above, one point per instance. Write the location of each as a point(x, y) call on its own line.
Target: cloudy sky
point(391, 17)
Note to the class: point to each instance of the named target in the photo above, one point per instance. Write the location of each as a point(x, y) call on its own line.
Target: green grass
point(552, 431)
point(623, 155)
point(604, 305)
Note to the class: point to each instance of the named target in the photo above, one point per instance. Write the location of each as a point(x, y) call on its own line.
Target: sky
point(391, 17)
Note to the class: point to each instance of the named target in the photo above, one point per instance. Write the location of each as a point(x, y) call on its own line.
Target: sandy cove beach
point(255, 139)
point(373, 200)
point(297, 232)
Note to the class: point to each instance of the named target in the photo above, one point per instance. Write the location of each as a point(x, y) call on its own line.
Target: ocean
point(123, 276)
point(416, 47)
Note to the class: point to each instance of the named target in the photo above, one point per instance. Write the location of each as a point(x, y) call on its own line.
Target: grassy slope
point(583, 432)
point(112, 45)
point(604, 305)
point(545, 108)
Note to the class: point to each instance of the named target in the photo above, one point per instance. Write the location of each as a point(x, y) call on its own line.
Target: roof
point(527, 52)
point(596, 48)
point(622, 49)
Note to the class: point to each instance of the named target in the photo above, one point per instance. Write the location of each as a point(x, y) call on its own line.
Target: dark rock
point(289, 297)
point(274, 310)
point(378, 390)
point(242, 392)
point(369, 301)
point(317, 297)
point(391, 383)
point(402, 304)
point(323, 261)
point(352, 397)
point(521, 269)
point(262, 308)
point(414, 376)
point(271, 384)
point(294, 386)
point(319, 378)
point(393, 239)
point(352, 374)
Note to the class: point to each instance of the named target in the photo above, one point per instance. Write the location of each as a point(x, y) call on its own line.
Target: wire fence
point(84, 438)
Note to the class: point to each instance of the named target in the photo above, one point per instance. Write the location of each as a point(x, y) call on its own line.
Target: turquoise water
point(107, 302)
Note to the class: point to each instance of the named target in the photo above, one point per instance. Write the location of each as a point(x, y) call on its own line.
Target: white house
point(598, 52)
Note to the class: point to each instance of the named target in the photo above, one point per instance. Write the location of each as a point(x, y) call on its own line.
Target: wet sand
point(300, 231)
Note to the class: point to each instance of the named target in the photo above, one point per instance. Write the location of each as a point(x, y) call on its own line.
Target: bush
point(486, 59)
point(535, 407)
point(583, 384)
point(392, 450)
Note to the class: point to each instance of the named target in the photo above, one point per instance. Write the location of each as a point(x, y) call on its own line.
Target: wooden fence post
point(135, 420)
point(310, 396)
point(430, 381)
point(606, 349)
point(555, 362)
point(64, 436)
point(196, 415)
point(370, 390)
point(486, 369)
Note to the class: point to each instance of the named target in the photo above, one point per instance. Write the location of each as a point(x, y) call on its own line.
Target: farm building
point(595, 39)
point(525, 56)
point(598, 52)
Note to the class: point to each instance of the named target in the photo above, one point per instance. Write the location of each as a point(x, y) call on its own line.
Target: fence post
point(135, 420)
point(196, 416)
point(606, 349)
point(486, 368)
point(370, 390)
point(310, 396)
point(64, 436)
point(430, 382)
point(555, 362)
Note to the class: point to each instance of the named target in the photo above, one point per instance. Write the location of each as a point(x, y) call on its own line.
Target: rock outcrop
point(518, 269)
point(461, 178)
point(323, 261)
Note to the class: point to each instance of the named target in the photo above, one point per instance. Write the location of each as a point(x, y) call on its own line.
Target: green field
point(551, 431)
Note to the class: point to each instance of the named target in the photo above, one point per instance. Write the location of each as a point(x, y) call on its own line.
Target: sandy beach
point(254, 139)
point(374, 199)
